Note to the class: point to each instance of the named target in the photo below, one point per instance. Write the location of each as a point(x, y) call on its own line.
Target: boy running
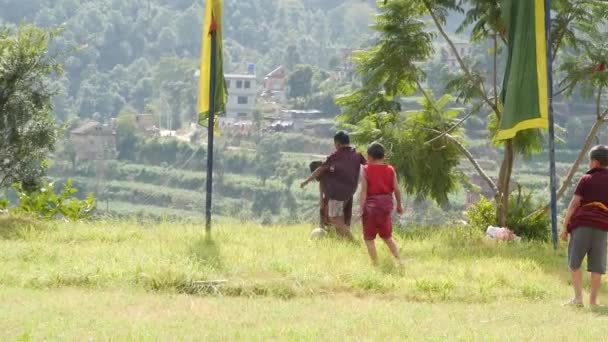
point(587, 223)
point(378, 185)
point(340, 177)
point(324, 201)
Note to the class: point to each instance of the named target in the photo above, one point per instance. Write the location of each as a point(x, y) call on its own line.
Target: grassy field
point(121, 281)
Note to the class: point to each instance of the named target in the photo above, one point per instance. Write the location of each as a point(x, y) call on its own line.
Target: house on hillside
point(275, 85)
point(242, 92)
point(94, 141)
point(301, 114)
point(146, 123)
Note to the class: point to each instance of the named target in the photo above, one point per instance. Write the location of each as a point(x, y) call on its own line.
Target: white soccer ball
point(318, 233)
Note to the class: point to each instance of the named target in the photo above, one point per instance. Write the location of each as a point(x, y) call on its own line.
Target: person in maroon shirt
point(587, 224)
point(339, 180)
point(378, 185)
point(324, 202)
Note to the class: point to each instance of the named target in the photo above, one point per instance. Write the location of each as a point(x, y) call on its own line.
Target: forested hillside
point(143, 53)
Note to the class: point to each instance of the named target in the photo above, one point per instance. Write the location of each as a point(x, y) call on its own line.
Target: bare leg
point(341, 227)
point(371, 250)
point(596, 280)
point(393, 247)
point(577, 284)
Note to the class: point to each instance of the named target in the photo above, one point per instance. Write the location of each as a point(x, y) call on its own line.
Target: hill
point(139, 53)
point(110, 280)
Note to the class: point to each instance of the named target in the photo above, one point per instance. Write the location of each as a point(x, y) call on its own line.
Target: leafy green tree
point(292, 57)
point(267, 159)
point(389, 70)
point(300, 81)
point(126, 137)
point(27, 125)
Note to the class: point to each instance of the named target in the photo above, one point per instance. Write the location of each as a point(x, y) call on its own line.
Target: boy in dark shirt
point(324, 201)
point(587, 224)
point(340, 177)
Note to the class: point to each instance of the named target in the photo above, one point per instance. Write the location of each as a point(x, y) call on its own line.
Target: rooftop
point(242, 76)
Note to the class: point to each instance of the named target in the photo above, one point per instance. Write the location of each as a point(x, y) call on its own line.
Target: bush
point(521, 205)
point(45, 203)
point(482, 214)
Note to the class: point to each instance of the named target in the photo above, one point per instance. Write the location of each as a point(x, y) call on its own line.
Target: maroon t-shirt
point(342, 176)
point(593, 188)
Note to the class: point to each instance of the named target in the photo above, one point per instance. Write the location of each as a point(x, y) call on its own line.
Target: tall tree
point(26, 124)
point(300, 81)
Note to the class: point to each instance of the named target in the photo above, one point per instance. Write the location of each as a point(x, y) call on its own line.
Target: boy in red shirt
point(587, 224)
point(378, 184)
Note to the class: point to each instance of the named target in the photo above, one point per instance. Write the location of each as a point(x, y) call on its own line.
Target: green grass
point(124, 281)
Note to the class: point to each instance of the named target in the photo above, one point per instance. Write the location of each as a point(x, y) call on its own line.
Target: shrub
point(45, 203)
point(482, 214)
point(521, 205)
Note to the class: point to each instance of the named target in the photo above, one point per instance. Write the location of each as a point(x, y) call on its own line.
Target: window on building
point(247, 84)
point(228, 84)
point(243, 100)
point(242, 115)
point(239, 84)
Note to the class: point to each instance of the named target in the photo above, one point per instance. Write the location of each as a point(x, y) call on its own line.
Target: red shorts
point(377, 225)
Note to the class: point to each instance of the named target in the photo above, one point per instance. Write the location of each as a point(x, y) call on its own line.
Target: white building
point(242, 92)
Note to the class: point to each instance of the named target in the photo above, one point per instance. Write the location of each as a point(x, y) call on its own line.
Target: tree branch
point(463, 66)
point(456, 125)
point(458, 144)
point(558, 43)
point(598, 103)
point(575, 166)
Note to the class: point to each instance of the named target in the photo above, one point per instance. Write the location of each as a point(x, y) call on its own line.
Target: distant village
point(97, 141)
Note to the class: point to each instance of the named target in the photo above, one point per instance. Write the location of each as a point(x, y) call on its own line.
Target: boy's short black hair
point(376, 151)
point(599, 153)
point(342, 138)
point(315, 165)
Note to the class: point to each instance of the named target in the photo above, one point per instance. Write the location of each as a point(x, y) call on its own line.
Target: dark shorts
point(374, 225)
point(590, 242)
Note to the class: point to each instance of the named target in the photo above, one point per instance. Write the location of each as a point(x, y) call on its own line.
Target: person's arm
point(363, 194)
point(316, 174)
point(575, 203)
point(398, 196)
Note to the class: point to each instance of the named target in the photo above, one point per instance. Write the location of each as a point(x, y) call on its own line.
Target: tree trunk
point(504, 182)
point(597, 125)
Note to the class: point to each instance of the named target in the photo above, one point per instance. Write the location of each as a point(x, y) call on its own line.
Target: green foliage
point(127, 41)
point(522, 204)
point(267, 158)
point(47, 204)
point(300, 81)
point(425, 169)
point(26, 124)
point(3, 203)
point(482, 214)
point(126, 138)
point(391, 63)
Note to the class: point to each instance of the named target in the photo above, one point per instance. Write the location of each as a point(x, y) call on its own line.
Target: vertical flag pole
point(553, 175)
point(210, 128)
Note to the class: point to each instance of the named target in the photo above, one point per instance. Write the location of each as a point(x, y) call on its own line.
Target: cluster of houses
point(97, 141)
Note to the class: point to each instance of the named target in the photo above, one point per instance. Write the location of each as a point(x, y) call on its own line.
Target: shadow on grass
point(207, 252)
point(600, 311)
point(18, 228)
